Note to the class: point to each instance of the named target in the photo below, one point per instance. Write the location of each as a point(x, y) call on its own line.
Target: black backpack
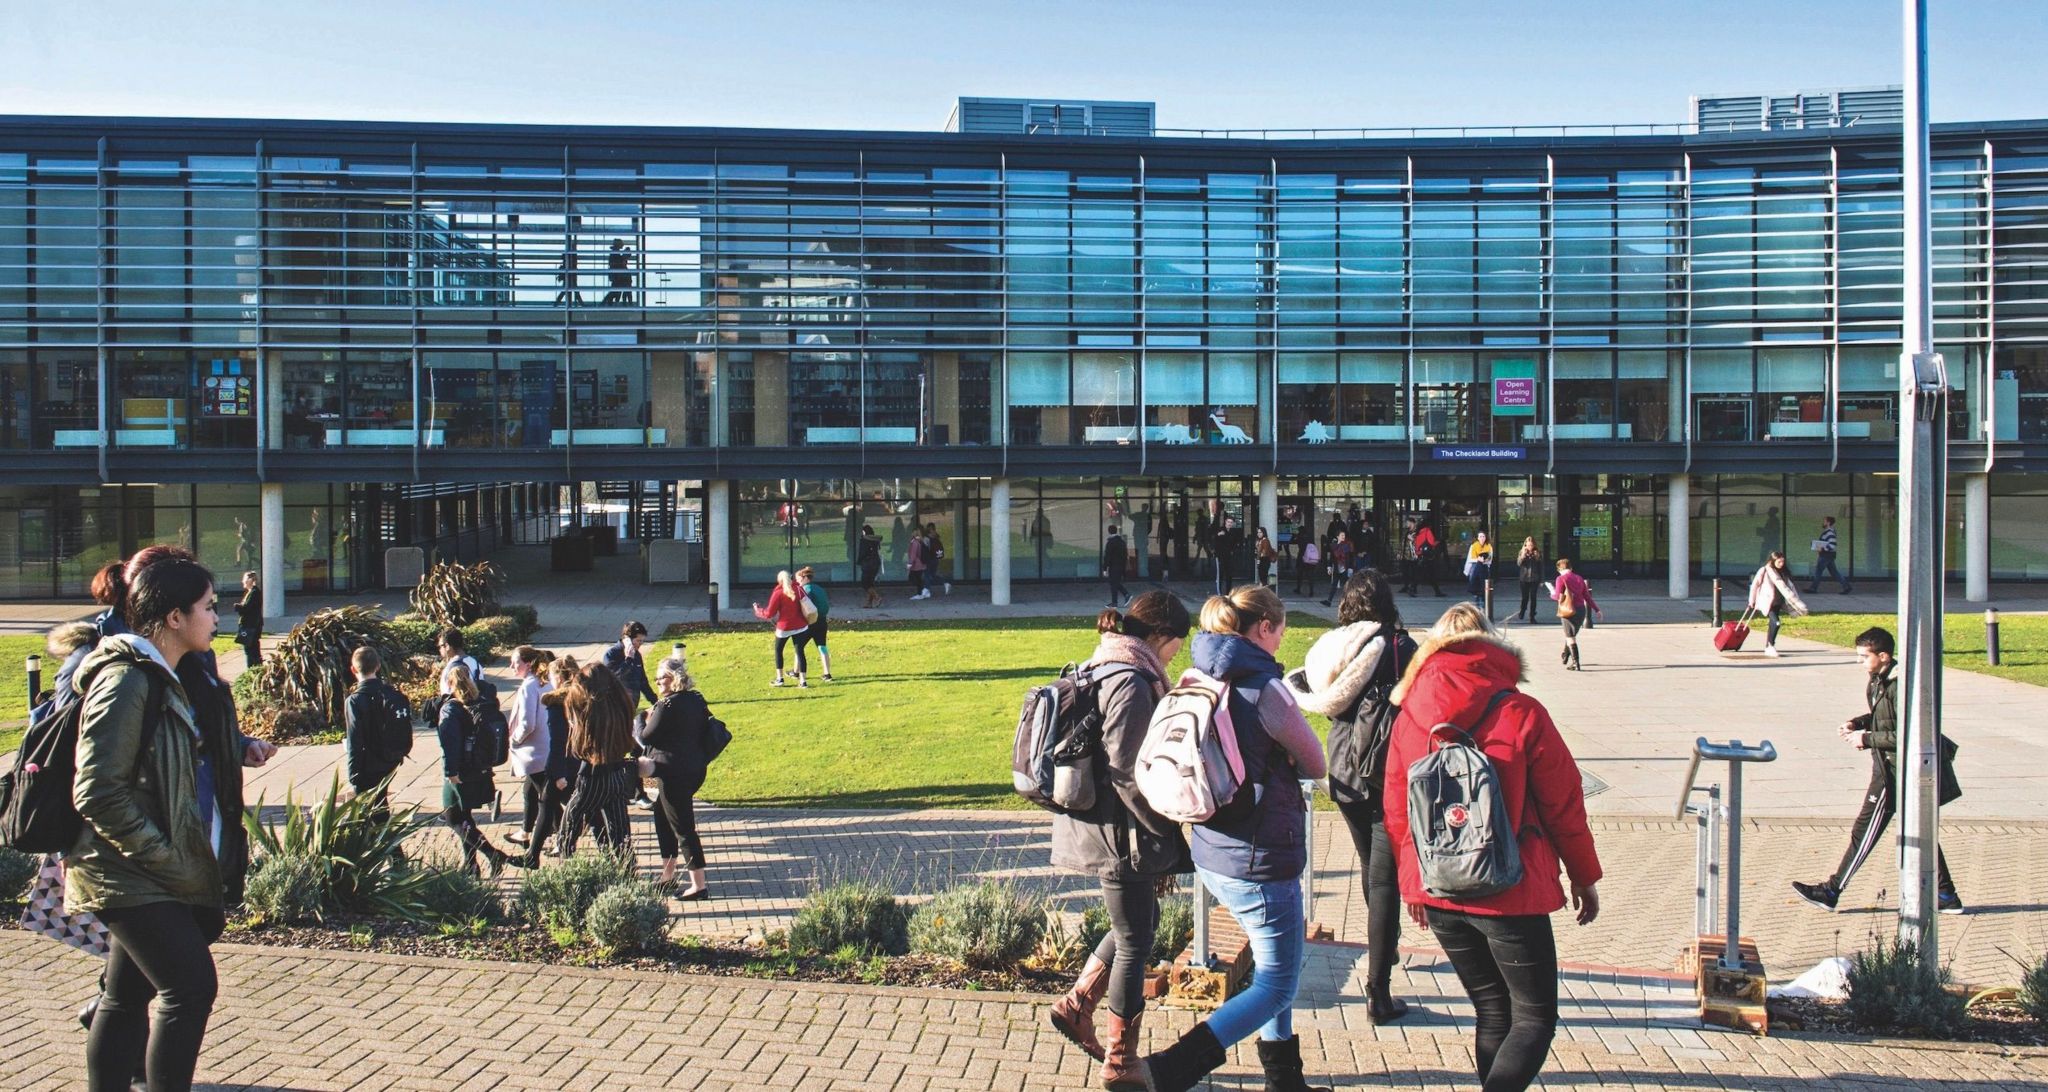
point(36, 812)
point(493, 734)
point(1358, 755)
point(393, 741)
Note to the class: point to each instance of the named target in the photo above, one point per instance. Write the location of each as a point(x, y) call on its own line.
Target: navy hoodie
point(1268, 843)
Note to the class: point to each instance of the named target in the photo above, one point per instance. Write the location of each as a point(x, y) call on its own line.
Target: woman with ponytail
point(1122, 843)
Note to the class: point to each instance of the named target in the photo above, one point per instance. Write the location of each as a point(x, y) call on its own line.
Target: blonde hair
point(564, 670)
point(1246, 606)
point(460, 685)
point(1461, 618)
point(787, 583)
point(675, 667)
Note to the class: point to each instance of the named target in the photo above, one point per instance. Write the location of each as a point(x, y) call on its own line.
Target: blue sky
point(883, 64)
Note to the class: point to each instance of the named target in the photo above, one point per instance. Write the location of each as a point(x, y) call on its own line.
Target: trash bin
point(570, 554)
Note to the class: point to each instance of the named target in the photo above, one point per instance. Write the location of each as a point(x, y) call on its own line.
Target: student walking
point(1349, 676)
point(626, 661)
point(1501, 945)
point(935, 556)
point(376, 718)
point(600, 715)
point(466, 774)
point(1574, 599)
point(161, 851)
point(1224, 550)
point(564, 677)
point(1426, 563)
point(1115, 556)
point(1478, 567)
point(1773, 594)
point(454, 651)
point(1338, 560)
point(1529, 575)
point(821, 629)
point(1877, 731)
point(917, 563)
point(249, 621)
point(1251, 858)
point(675, 739)
point(1264, 555)
point(785, 610)
point(1121, 842)
point(527, 737)
point(1824, 550)
point(1309, 559)
point(868, 559)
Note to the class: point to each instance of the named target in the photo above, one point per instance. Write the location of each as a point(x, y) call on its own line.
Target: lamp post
point(714, 602)
point(34, 667)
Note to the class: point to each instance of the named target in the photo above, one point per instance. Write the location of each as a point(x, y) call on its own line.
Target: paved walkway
point(312, 1021)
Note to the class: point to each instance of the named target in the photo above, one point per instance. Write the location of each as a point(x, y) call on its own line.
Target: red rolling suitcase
point(1731, 635)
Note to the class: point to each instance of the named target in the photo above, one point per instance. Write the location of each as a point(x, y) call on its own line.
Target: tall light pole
point(1923, 508)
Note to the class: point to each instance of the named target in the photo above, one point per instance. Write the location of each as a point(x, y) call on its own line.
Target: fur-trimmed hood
point(70, 637)
point(1337, 668)
point(1466, 660)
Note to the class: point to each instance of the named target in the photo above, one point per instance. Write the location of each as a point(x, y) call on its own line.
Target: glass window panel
point(1173, 379)
point(1233, 379)
point(1104, 379)
point(1308, 368)
point(1038, 379)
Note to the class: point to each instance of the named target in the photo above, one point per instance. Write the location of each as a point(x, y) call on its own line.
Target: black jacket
point(214, 708)
point(1115, 556)
point(631, 671)
point(249, 615)
point(371, 706)
point(1882, 694)
point(673, 736)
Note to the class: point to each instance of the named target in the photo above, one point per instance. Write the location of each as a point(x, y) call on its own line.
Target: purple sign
point(1514, 392)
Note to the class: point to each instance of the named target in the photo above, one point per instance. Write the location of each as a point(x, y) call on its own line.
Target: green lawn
point(14, 649)
point(2022, 640)
point(921, 714)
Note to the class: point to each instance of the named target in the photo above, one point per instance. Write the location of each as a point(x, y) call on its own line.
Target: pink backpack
point(1189, 766)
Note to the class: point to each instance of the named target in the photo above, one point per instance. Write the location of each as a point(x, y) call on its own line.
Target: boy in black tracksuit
point(372, 707)
point(1115, 556)
point(1878, 732)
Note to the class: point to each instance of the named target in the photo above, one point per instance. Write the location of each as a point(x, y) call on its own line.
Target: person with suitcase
point(1773, 593)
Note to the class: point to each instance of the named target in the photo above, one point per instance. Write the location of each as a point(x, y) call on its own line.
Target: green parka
point(144, 840)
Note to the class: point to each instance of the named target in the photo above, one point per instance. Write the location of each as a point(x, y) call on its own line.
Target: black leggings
point(1382, 895)
point(675, 815)
point(1508, 966)
point(1127, 947)
point(1528, 607)
point(547, 817)
point(533, 799)
point(801, 637)
point(473, 841)
point(159, 951)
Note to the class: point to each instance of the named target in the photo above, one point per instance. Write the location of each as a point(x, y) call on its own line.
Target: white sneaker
point(1770, 650)
point(777, 682)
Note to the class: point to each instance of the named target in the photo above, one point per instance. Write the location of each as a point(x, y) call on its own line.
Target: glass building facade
point(1507, 325)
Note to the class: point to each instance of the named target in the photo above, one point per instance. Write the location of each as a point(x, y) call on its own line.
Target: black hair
point(1151, 614)
point(157, 591)
point(1878, 639)
point(452, 637)
point(1368, 597)
point(632, 629)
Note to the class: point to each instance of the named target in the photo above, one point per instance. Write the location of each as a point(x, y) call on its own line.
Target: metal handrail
point(1735, 754)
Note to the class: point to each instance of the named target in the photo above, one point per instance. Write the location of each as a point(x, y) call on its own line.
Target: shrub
point(17, 871)
point(283, 887)
point(2033, 996)
point(1176, 928)
point(501, 630)
point(1094, 926)
point(627, 917)
point(309, 669)
point(1890, 991)
point(448, 894)
point(356, 851)
point(864, 916)
point(415, 634)
point(454, 594)
point(525, 617)
point(559, 896)
point(990, 924)
point(477, 641)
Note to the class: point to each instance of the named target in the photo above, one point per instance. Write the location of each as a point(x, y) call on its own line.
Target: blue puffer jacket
point(1268, 843)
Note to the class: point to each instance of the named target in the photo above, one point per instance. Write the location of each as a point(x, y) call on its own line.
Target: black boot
point(1575, 659)
point(1192, 1057)
point(1281, 1059)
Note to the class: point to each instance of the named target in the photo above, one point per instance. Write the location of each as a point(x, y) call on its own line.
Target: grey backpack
point(1465, 844)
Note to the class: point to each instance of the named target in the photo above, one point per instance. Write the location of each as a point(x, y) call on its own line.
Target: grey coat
point(1120, 837)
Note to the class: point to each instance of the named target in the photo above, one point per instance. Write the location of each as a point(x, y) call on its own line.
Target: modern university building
point(1657, 350)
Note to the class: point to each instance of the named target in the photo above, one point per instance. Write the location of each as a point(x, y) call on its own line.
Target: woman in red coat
point(785, 608)
point(1501, 945)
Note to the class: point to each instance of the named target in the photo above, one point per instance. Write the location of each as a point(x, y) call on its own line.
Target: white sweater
point(528, 729)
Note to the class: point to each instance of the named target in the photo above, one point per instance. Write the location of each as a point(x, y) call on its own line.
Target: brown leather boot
point(1074, 1014)
point(1122, 1071)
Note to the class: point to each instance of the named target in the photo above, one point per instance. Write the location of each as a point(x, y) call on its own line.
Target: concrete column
point(271, 535)
point(1269, 511)
point(1977, 537)
point(718, 542)
point(999, 544)
point(1678, 518)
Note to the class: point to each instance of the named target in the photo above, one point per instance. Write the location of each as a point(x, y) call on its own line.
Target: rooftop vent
point(1827, 109)
point(1058, 117)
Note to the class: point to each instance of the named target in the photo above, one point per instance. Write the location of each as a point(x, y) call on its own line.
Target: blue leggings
point(1270, 914)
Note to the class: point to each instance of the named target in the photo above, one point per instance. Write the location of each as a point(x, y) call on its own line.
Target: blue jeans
point(1824, 565)
point(1270, 914)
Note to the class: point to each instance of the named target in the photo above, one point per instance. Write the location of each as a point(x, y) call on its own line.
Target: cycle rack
point(1731, 986)
point(1201, 957)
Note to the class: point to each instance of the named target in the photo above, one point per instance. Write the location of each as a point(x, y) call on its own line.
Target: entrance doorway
point(1593, 535)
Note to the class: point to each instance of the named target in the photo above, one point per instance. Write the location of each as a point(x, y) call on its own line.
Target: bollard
point(714, 602)
point(1489, 599)
point(1308, 838)
point(35, 678)
point(676, 651)
point(1716, 623)
point(1991, 635)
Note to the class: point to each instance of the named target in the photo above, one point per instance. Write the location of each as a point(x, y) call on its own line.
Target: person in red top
point(1574, 599)
point(1501, 945)
point(785, 608)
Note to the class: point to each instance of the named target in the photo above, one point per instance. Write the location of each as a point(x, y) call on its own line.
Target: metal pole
point(1489, 599)
point(1713, 853)
point(1308, 842)
point(1702, 917)
point(1923, 483)
point(713, 602)
point(1731, 955)
point(1990, 635)
point(1201, 939)
point(1716, 623)
point(35, 678)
